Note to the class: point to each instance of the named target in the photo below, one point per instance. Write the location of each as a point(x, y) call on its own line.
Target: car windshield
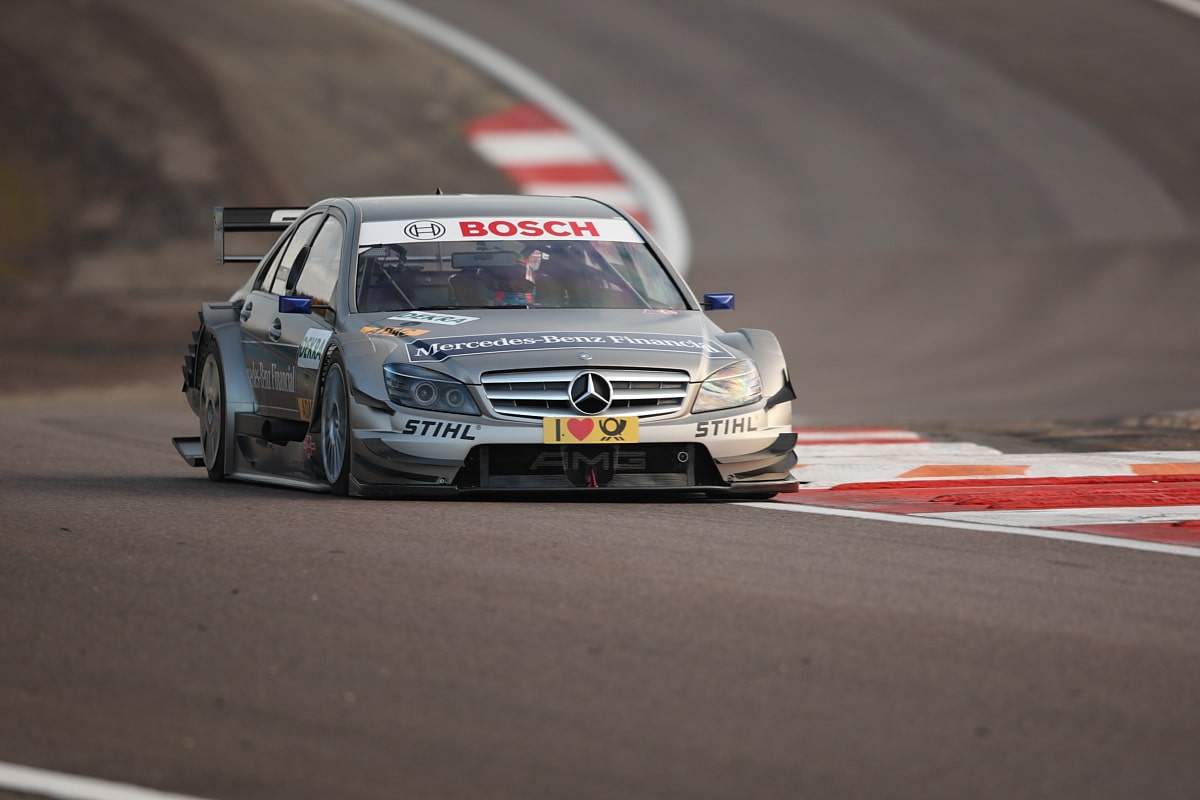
point(508, 273)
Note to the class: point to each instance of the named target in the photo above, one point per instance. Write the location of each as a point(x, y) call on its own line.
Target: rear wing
point(248, 219)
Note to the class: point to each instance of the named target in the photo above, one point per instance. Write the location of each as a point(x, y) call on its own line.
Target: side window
point(268, 273)
point(276, 282)
point(319, 274)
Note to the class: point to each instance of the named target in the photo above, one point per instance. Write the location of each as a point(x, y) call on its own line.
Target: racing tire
point(212, 409)
point(335, 424)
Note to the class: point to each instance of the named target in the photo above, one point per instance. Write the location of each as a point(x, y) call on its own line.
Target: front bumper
point(732, 455)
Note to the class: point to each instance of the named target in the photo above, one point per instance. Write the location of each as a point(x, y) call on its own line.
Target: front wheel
point(335, 426)
point(212, 410)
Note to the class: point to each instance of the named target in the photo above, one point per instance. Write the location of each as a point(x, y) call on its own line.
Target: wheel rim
point(334, 424)
point(211, 412)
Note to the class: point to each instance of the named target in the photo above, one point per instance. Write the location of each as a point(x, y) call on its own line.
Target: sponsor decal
point(312, 348)
point(725, 427)
point(428, 317)
point(272, 378)
point(499, 228)
point(589, 430)
point(305, 405)
point(443, 348)
point(387, 330)
point(424, 230)
point(528, 228)
point(438, 429)
point(567, 460)
point(309, 446)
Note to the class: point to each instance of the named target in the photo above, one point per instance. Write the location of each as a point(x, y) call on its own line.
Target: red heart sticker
point(580, 428)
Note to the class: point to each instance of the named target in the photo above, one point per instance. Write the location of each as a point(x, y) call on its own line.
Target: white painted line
point(1186, 6)
point(45, 783)
point(1060, 517)
point(655, 195)
point(1062, 536)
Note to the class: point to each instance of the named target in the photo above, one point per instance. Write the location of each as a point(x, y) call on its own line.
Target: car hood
point(467, 343)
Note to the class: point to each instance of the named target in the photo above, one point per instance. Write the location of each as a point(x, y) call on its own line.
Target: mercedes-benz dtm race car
point(451, 344)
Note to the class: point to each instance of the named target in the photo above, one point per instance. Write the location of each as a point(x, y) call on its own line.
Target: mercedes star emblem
point(590, 393)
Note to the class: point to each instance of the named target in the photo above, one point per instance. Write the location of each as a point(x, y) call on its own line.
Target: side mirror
point(718, 301)
point(295, 305)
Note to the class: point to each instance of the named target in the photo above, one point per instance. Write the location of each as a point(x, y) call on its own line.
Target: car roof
point(378, 209)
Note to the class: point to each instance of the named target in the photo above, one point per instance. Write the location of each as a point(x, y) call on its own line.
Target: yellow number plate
point(589, 430)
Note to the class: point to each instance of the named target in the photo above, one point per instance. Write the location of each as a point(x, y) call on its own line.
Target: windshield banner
point(497, 228)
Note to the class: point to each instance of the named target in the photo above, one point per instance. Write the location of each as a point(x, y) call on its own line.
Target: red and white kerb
point(542, 156)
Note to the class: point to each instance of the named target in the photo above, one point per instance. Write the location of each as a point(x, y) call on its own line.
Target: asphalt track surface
point(242, 642)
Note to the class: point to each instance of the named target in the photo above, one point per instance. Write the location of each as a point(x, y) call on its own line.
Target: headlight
point(417, 387)
point(730, 386)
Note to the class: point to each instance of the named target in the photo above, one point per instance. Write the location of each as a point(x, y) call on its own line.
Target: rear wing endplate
point(248, 219)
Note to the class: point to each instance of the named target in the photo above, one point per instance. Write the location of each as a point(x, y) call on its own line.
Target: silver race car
point(453, 344)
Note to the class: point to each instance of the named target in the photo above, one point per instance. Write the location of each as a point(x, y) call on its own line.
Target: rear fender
point(220, 322)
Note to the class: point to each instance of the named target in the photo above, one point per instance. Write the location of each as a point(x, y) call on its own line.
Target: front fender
point(763, 348)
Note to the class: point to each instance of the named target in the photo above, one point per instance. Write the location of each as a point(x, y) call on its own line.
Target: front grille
point(543, 393)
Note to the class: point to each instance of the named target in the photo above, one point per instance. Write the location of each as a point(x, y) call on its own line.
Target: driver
point(509, 284)
point(562, 272)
